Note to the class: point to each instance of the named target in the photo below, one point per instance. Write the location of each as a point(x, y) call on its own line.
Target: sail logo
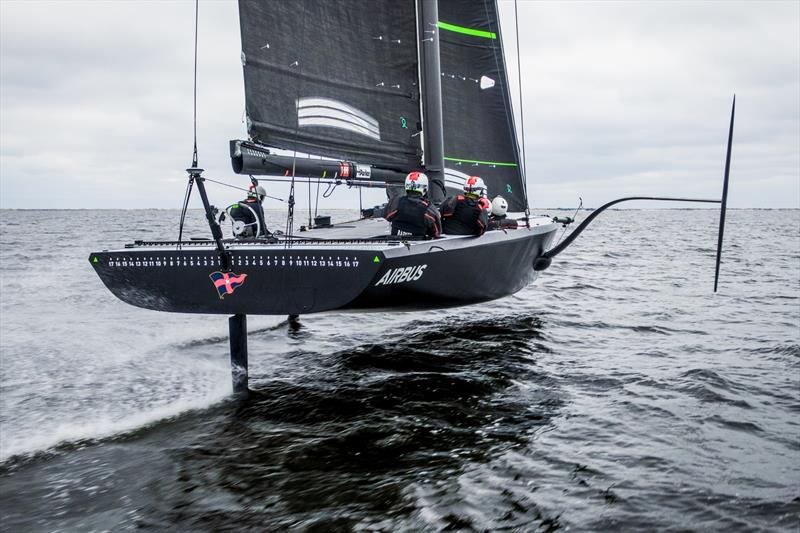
point(226, 282)
point(402, 275)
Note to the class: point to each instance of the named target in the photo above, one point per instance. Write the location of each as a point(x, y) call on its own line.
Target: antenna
point(724, 200)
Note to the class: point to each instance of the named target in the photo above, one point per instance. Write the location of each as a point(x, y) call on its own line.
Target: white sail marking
point(314, 111)
point(335, 114)
point(455, 177)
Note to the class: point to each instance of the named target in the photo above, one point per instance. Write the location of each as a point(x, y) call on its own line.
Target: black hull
point(326, 275)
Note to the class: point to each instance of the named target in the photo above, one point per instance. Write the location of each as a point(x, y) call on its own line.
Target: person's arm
point(374, 212)
point(483, 221)
point(391, 208)
point(446, 209)
point(433, 222)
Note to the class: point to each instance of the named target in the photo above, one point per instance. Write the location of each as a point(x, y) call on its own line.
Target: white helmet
point(417, 182)
point(475, 185)
point(499, 206)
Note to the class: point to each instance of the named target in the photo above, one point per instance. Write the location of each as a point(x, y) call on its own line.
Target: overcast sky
point(619, 99)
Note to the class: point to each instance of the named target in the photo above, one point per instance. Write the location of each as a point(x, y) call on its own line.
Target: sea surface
point(618, 392)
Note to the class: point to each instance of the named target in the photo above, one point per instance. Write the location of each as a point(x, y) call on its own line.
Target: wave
point(86, 432)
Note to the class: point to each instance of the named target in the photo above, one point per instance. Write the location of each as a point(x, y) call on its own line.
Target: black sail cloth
point(479, 135)
point(335, 79)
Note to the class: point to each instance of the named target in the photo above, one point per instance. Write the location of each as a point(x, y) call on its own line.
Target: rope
point(506, 101)
point(196, 18)
point(290, 214)
point(189, 185)
point(316, 202)
point(186, 196)
point(309, 204)
point(521, 111)
point(241, 189)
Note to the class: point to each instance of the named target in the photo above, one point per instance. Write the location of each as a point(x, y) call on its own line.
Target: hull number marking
point(269, 260)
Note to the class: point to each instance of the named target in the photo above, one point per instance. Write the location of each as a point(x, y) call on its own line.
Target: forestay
point(479, 134)
point(335, 79)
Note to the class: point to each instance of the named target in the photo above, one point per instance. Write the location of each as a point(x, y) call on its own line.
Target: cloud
point(619, 98)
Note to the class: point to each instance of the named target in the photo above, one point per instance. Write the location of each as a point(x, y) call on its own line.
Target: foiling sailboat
point(373, 89)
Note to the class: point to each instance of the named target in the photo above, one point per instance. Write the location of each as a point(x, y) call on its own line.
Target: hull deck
point(348, 266)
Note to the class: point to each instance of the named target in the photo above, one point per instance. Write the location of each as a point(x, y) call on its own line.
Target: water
point(618, 392)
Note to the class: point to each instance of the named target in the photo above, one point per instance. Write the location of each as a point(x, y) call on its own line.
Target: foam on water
point(51, 434)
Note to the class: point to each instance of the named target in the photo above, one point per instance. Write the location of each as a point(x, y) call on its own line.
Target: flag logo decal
point(226, 282)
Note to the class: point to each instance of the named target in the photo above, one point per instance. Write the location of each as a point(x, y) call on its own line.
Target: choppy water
point(618, 392)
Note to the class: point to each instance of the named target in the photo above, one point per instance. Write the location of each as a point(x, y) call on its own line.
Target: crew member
point(468, 213)
point(249, 211)
point(498, 218)
point(413, 214)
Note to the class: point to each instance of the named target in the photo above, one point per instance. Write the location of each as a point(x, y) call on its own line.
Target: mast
point(431, 93)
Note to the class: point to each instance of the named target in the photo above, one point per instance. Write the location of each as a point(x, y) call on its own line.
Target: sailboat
point(372, 89)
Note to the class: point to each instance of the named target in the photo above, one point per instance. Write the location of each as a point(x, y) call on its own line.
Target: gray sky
point(619, 98)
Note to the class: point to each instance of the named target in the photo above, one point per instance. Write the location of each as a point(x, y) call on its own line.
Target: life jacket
point(465, 216)
point(502, 222)
point(414, 216)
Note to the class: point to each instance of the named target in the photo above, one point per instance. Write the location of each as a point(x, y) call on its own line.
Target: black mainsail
point(479, 134)
point(334, 79)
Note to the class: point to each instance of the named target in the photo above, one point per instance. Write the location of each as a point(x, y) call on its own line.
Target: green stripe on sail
point(496, 163)
point(467, 31)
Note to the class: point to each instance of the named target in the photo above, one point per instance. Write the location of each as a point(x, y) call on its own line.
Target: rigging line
point(241, 188)
point(316, 203)
point(521, 112)
point(290, 214)
point(186, 196)
point(309, 204)
point(507, 98)
point(196, 18)
point(329, 191)
point(189, 185)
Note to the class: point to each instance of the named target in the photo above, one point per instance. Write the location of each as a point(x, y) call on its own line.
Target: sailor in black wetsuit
point(413, 214)
point(248, 212)
point(498, 218)
point(468, 213)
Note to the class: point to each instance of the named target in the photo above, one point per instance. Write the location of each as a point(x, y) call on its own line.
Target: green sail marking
point(467, 31)
point(376, 259)
point(497, 163)
point(95, 259)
